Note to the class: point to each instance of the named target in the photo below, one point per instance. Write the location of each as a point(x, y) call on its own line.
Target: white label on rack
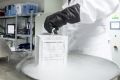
point(53, 49)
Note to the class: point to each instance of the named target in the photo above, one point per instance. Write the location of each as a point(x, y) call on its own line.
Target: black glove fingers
point(48, 25)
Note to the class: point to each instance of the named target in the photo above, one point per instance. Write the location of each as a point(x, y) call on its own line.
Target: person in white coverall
point(84, 22)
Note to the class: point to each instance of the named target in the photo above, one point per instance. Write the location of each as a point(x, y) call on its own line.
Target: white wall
point(52, 5)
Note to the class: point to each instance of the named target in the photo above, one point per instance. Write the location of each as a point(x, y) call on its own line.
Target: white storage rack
point(30, 36)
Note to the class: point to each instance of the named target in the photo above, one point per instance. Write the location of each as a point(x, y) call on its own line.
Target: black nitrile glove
point(68, 15)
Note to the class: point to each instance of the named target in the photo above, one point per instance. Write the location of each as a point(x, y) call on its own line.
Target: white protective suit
point(89, 36)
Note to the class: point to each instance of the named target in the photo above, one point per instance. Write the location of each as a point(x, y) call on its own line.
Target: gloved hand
point(58, 19)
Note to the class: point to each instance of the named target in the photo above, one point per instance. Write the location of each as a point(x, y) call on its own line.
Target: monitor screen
point(10, 28)
point(115, 25)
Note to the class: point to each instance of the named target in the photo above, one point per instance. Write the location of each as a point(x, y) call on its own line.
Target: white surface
point(79, 67)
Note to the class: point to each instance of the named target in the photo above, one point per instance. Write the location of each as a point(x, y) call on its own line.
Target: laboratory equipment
point(11, 29)
point(51, 50)
point(21, 9)
point(78, 66)
point(26, 8)
point(25, 46)
point(10, 10)
point(2, 12)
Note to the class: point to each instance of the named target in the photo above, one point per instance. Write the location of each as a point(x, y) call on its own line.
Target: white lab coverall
point(89, 36)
